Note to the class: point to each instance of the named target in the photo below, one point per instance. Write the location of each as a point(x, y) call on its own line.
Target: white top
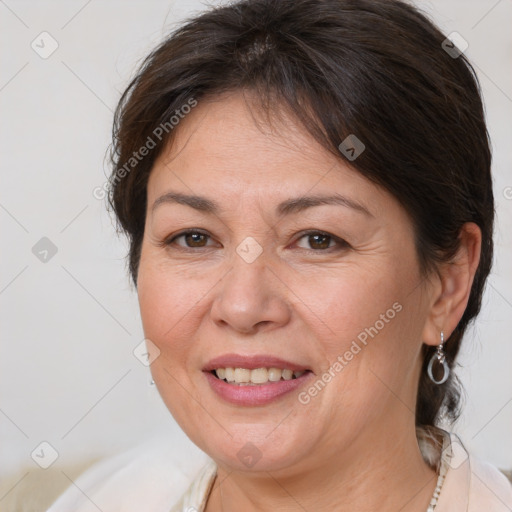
point(150, 478)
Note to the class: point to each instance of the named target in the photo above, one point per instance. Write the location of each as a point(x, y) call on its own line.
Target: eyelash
point(342, 244)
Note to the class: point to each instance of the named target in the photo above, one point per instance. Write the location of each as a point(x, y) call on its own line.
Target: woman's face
point(294, 262)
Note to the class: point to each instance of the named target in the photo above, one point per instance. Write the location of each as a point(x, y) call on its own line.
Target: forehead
point(226, 147)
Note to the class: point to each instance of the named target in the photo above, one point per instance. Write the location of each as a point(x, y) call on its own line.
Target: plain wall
point(69, 325)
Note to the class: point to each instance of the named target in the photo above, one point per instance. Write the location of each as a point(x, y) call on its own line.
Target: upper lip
point(251, 362)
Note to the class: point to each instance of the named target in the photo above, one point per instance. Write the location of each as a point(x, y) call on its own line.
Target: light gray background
point(69, 326)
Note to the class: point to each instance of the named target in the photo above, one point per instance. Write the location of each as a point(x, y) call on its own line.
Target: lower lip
point(259, 394)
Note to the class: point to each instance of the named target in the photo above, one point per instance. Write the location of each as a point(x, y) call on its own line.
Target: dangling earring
point(440, 358)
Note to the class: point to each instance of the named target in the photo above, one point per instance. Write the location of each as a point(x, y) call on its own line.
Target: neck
point(376, 472)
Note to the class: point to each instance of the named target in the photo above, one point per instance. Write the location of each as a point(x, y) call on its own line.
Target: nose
point(250, 298)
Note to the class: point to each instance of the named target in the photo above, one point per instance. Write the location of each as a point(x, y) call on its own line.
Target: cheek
point(360, 376)
point(343, 304)
point(171, 307)
point(366, 327)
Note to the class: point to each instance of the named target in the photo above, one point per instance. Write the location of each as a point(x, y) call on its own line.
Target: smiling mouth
point(257, 376)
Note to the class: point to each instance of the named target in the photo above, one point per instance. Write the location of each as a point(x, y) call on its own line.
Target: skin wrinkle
point(355, 442)
point(287, 207)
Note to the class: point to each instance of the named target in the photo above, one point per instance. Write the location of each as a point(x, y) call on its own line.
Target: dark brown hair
point(373, 68)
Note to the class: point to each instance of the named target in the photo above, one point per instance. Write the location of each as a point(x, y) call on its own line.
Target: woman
point(306, 190)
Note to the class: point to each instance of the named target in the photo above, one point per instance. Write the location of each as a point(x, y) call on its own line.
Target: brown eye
point(320, 241)
point(191, 240)
point(195, 239)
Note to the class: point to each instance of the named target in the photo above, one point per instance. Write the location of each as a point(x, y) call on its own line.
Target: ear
point(451, 289)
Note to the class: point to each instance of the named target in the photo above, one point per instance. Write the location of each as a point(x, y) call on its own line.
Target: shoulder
point(471, 484)
point(196, 496)
point(151, 476)
point(488, 488)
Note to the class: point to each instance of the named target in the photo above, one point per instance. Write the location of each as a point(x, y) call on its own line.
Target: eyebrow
point(287, 207)
point(196, 202)
point(298, 204)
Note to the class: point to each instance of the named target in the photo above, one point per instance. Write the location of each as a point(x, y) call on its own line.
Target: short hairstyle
point(376, 69)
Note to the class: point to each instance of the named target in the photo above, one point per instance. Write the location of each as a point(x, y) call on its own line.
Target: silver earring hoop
point(440, 358)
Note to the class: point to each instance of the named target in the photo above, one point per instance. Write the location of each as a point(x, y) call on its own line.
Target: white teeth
point(259, 376)
point(274, 374)
point(287, 374)
point(244, 376)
